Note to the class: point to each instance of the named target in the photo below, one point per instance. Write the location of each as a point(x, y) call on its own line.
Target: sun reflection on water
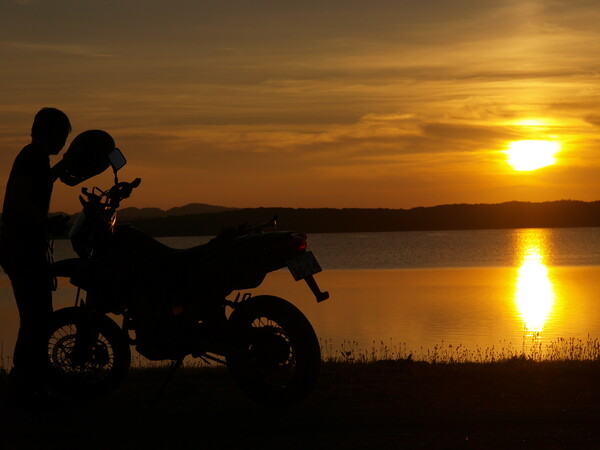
point(534, 295)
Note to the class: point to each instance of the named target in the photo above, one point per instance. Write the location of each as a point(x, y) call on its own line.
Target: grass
point(532, 348)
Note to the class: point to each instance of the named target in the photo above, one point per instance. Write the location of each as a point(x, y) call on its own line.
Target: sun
point(531, 155)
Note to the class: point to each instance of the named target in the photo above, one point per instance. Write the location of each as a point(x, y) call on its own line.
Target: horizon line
point(340, 208)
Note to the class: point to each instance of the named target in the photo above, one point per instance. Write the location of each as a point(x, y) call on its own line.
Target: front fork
point(86, 333)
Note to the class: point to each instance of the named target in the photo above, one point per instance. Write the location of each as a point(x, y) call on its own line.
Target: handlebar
point(122, 190)
point(113, 196)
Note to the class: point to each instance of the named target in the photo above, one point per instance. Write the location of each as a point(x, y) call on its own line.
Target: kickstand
point(174, 366)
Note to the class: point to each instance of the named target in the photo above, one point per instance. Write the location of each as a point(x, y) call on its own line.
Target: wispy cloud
point(64, 49)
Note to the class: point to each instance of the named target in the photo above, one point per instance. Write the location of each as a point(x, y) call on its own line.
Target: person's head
point(50, 130)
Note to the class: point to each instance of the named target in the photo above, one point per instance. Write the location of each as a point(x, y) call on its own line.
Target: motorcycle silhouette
point(174, 303)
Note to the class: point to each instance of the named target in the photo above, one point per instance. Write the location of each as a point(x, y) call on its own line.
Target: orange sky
point(337, 104)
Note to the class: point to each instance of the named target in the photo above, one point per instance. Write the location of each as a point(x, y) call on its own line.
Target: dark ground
point(383, 405)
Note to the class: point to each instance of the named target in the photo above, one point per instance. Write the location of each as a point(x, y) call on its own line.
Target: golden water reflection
point(534, 295)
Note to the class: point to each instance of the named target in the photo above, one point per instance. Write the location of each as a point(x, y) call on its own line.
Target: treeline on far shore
point(556, 214)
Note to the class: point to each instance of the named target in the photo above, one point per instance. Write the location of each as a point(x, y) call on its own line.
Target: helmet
point(87, 156)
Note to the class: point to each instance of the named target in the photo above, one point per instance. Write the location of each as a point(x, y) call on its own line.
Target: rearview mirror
point(117, 160)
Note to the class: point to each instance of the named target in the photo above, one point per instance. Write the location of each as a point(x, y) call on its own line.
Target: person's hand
point(58, 225)
point(63, 170)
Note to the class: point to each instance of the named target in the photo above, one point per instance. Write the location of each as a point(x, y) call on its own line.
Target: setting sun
point(532, 155)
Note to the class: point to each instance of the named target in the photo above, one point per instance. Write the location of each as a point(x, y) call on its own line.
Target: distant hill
point(198, 219)
point(133, 213)
point(563, 213)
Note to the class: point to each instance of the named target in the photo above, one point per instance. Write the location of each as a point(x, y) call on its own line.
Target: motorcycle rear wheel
point(91, 370)
point(277, 357)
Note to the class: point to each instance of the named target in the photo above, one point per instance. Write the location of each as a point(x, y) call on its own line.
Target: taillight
point(295, 245)
point(299, 242)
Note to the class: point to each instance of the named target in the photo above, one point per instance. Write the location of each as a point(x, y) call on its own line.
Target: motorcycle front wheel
point(88, 354)
point(276, 357)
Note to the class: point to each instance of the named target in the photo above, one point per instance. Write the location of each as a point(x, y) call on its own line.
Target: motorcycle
point(176, 303)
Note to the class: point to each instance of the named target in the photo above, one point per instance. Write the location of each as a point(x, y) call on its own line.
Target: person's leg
point(33, 294)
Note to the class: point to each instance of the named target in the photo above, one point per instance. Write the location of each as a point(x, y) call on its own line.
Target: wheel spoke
point(61, 347)
point(280, 357)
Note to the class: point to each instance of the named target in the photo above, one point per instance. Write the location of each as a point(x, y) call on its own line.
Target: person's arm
point(58, 169)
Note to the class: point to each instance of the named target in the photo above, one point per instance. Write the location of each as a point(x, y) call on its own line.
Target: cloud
point(375, 140)
point(593, 119)
point(64, 49)
point(482, 135)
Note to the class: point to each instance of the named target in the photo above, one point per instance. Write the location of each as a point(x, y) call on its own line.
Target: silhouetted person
point(24, 247)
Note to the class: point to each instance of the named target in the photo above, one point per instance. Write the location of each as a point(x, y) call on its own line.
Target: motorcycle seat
point(149, 248)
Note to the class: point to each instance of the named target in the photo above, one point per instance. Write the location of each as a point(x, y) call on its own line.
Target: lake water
point(419, 292)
